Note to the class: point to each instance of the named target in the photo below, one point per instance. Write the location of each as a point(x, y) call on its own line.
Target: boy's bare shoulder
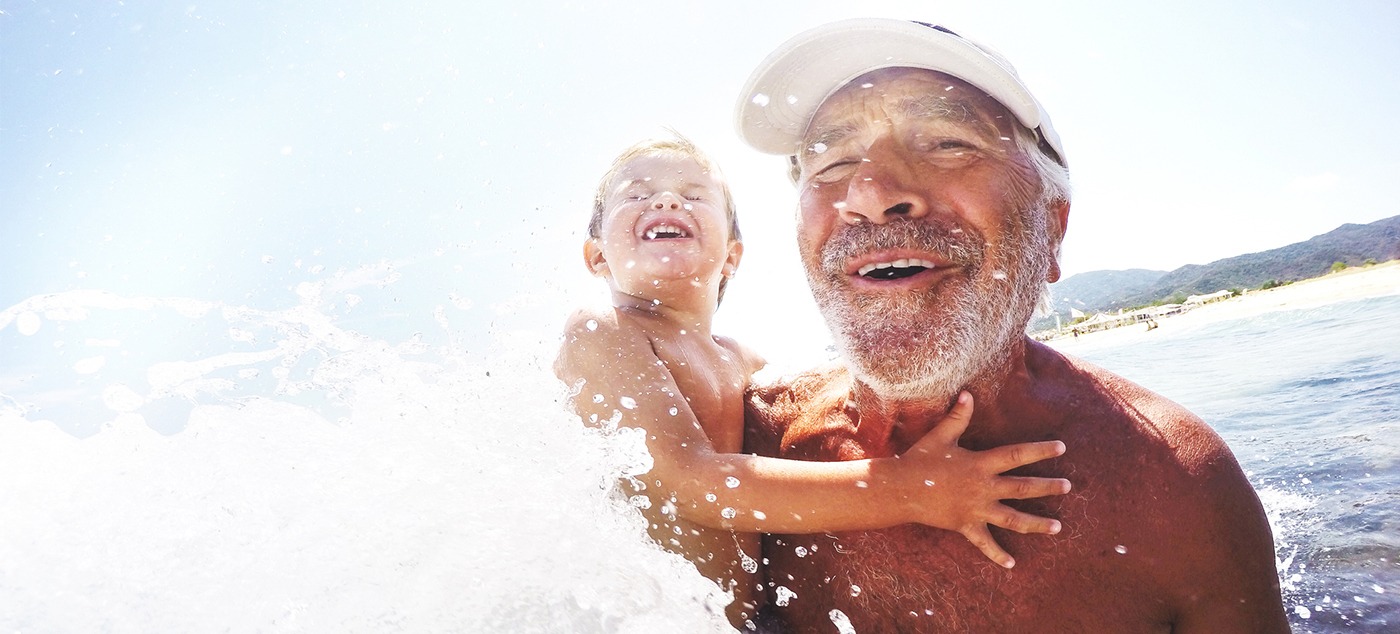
point(753, 361)
point(597, 335)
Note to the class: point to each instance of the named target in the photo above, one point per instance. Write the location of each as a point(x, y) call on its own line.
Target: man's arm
point(1228, 581)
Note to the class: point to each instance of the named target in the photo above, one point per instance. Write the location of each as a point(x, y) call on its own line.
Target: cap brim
point(781, 96)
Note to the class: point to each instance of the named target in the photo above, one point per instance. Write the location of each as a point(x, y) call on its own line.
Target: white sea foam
point(371, 486)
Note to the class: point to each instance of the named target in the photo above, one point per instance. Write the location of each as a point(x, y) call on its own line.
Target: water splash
point(310, 477)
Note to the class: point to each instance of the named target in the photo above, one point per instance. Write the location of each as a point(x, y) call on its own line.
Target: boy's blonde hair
point(676, 146)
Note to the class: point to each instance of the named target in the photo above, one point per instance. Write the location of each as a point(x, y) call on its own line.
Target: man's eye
point(835, 171)
point(695, 197)
point(936, 144)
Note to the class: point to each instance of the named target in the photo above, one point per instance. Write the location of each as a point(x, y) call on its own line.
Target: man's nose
point(884, 187)
point(666, 200)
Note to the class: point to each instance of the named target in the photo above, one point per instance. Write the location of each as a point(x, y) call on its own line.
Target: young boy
point(665, 237)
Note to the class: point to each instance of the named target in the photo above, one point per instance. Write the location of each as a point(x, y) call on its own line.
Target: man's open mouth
point(897, 269)
point(666, 231)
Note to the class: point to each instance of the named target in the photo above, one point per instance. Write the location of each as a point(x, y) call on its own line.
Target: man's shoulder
point(1114, 408)
point(784, 412)
point(1160, 473)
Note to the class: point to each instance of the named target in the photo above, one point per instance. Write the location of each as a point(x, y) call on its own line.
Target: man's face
point(920, 229)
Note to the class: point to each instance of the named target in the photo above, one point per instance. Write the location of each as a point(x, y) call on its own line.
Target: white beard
point(929, 346)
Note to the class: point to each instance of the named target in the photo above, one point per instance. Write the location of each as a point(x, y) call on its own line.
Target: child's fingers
point(1023, 488)
point(1009, 457)
point(982, 539)
point(951, 427)
point(1024, 523)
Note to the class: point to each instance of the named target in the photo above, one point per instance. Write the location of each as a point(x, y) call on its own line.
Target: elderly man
point(933, 199)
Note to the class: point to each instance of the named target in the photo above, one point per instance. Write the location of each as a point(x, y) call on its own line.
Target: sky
point(429, 166)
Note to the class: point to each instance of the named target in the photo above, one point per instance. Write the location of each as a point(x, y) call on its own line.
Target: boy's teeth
point(902, 263)
point(668, 231)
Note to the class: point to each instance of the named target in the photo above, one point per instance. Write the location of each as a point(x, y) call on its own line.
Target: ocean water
point(1309, 400)
point(171, 464)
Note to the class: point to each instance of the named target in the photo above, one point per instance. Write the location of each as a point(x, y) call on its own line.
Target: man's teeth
point(666, 231)
point(902, 263)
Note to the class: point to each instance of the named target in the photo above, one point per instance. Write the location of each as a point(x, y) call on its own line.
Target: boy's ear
point(731, 259)
point(593, 257)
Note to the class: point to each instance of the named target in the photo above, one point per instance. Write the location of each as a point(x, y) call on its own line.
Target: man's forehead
point(872, 98)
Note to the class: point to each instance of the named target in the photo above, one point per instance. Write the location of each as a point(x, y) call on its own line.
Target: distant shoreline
point(1359, 282)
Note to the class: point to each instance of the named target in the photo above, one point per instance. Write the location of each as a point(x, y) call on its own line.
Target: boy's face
point(664, 219)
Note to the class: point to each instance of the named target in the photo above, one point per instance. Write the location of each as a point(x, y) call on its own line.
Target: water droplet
point(1120, 549)
point(783, 596)
point(90, 365)
point(628, 402)
point(760, 100)
point(28, 324)
point(867, 85)
point(800, 551)
point(842, 622)
point(998, 275)
point(1377, 589)
point(728, 513)
point(855, 590)
point(928, 483)
point(640, 501)
point(682, 331)
point(597, 398)
point(862, 484)
point(673, 411)
point(839, 205)
point(760, 515)
point(591, 324)
point(749, 564)
point(731, 482)
point(792, 99)
point(1302, 611)
point(818, 148)
point(710, 497)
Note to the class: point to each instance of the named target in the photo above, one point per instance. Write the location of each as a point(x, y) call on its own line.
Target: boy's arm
point(622, 377)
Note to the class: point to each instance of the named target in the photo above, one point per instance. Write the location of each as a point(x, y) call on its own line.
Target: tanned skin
point(651, 362)
point(1163, 532)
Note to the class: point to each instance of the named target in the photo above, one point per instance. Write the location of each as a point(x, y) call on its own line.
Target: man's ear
point(593, 257)
point(1059, 222)
point(731, 259)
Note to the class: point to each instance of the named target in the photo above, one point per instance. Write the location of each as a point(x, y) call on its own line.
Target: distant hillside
point(1349, 244)
point(1098, 291)
point(1090, 291)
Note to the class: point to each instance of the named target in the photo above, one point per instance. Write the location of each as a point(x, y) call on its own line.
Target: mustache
point(947, 240)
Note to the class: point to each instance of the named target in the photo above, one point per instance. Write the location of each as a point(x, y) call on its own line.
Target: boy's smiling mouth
point(665, 231)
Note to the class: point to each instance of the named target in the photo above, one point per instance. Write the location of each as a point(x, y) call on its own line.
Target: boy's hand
point(966, 491)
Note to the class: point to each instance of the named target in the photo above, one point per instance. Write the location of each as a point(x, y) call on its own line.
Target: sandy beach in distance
point(1346, 285)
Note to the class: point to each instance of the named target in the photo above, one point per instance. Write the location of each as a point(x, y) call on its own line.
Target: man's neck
point(902, 421)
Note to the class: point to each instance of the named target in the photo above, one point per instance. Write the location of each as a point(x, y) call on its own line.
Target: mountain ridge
point(1350, 244)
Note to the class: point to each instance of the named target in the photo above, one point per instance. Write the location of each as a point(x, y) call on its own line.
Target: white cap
point(787, 88)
